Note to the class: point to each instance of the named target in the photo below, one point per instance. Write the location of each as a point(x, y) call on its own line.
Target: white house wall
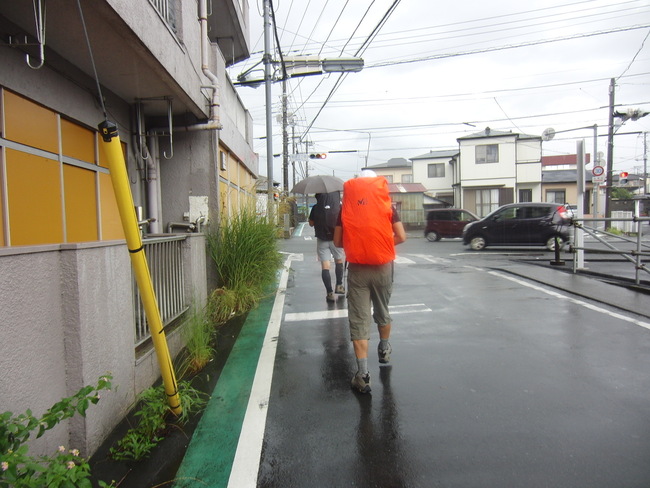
point(529, 150)
point(436, 185)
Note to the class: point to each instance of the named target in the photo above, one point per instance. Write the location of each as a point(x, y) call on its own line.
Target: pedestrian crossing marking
point(403, 260)
point(343, 313)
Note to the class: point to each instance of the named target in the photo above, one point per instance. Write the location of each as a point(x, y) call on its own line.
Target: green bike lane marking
point(213, 447)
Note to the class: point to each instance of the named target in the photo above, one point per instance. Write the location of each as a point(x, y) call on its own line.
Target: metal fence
point(165, 260)
point(630, 246)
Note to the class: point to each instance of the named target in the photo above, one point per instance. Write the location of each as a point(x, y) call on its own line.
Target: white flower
point(74, 452)
point(71, 464)
point(5, 465)
point(61, 449)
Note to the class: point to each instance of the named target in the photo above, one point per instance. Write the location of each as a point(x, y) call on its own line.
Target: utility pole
point(285, 138)
point(267, 87)
point(609, 177)
point(645, 163)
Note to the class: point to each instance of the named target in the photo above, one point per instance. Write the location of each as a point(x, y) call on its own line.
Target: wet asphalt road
point(495, 381)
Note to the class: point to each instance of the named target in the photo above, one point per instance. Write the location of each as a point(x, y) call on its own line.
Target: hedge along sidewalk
point(228, 439)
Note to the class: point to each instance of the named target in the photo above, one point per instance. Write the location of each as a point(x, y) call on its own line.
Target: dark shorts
point(368, 285)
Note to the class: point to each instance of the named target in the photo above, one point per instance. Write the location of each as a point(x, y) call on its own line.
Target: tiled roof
point(406, 188)
point(449, 153)
point(392, 163)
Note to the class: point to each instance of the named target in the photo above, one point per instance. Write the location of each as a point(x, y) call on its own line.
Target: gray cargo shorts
point(327, 251)
point(368, 284)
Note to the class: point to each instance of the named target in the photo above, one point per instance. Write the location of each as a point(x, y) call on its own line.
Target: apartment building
point(70, 309)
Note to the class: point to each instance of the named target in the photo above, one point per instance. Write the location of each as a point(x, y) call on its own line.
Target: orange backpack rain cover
point(366, 216)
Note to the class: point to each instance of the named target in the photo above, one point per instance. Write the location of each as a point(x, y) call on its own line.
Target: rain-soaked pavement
point(496, 380)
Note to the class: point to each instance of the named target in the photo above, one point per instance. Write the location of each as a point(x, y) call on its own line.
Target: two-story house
point(499, 167)
point(438, 172)
point(395, 170)
point(70, 312)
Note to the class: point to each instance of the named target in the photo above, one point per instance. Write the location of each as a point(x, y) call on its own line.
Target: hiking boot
point(340, 290)
point(384, 354)
point(330, 297)
point(361, 382)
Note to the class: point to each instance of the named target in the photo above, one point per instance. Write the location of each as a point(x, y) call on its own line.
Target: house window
point(556, 196)
point(222, 161)
point(486, 201)
point(167, 10)
point(487, 153)
point(436, 170)
point(389, 178)
point(407, 178)
point(525, 195)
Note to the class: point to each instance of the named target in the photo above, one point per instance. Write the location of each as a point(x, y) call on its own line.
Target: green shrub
point(66, 468)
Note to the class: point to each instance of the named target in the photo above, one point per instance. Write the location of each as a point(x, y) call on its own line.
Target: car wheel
point(550, 243)
point(433, 236)
point(477, 243)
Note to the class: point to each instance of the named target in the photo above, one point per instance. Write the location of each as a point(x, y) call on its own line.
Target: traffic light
point(318, 156)
point(622, 178)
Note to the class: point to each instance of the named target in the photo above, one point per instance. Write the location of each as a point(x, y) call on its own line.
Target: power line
point(503, 48)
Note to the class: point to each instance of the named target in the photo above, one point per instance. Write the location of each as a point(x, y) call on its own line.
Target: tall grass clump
point(244, 250)
point(198, 333)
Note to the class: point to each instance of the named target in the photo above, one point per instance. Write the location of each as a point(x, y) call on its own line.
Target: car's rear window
point(438, 216)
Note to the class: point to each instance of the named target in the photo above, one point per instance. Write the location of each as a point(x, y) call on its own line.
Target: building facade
point(158, 71)
point(498, 167)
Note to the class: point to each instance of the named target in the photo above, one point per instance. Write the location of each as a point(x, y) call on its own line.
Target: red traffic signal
point(622, 178)
point(318, 156)
point(623, 174)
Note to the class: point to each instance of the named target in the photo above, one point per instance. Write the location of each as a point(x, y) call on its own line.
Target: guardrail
point(633, 226)
point(165, 261)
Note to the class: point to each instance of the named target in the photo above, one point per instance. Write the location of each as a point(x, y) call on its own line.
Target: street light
point(342, 65)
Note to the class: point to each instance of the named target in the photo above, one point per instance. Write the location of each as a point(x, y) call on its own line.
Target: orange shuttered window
point(58, 190)
point(35, 204)
point(30, 124)
point(111, 223)
point(80, 206)
point(77, 142)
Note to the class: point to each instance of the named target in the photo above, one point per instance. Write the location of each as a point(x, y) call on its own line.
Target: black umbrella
point(318, 184)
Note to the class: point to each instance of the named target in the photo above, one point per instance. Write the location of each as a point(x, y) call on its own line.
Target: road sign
point(598, 170)
point(598, 179)
point(299, 157)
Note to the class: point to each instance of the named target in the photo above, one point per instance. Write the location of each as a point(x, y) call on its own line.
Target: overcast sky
point(436, 71)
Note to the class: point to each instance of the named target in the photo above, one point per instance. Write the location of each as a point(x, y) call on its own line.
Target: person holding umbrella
point(323, 217)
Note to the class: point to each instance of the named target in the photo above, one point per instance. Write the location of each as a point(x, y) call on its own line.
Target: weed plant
point(152, 416)
point(244, 250)
point(198, 334)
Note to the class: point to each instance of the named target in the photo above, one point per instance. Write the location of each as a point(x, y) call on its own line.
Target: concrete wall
point(67, 320)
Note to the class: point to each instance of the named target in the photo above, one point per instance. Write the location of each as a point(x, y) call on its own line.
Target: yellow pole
point(125, 205)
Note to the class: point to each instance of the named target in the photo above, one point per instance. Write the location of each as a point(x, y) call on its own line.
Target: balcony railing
point(165, 260)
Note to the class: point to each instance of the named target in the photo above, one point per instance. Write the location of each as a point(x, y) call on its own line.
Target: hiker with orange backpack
point(368, 230)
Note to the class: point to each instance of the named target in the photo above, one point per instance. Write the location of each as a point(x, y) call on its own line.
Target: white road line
point(299, 229)
point(343, 313)
point(249, 449)
point(403, 260)
point(576, 301)
point(431, 259)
